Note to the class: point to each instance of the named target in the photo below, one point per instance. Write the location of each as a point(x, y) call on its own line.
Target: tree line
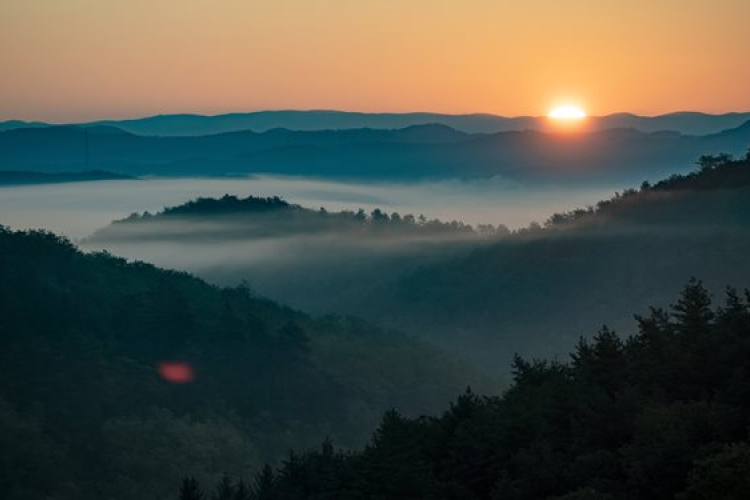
point(90, 410)
point(376, 220)
point(661, 414)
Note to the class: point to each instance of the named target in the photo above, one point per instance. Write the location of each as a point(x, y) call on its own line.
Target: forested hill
point(91, 348)
point(275, 245)
point(716, 176)
point(537, 290)
point(660, 415)
point(230, 217)
point(531, 292)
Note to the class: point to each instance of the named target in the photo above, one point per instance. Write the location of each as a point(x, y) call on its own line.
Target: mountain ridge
point(189, 124)
point(417, 151)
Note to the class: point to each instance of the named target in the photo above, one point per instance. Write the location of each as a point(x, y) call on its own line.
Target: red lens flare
point(176, 372)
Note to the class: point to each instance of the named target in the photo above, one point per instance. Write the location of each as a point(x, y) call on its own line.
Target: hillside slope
point(85, 338)
point(659, 415)
point(274, 245)
point(538, 290)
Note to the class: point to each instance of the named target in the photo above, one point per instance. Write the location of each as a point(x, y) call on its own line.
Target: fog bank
point(77, 209)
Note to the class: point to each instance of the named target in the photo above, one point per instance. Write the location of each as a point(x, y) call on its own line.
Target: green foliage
point(241, 491)
point(86, 415)
point(229, 204)
point(225, 490)
point(190, 490)
point(254, 217)
point(618, 421)
point(720, 473)
point(538, 290)
point(264, 487)
point(715, 172)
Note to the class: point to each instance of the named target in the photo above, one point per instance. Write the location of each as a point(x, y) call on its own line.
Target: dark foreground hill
point(425, 151)
point(660, 415)
point(92, 349)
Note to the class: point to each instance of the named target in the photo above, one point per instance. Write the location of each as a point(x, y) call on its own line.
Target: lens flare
point(176, 372)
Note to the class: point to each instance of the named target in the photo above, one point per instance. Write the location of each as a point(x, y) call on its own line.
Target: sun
point(567, 113)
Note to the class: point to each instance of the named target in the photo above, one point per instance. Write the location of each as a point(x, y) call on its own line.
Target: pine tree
point(225, 490)
point(265, 484)
point(241, 491)
point(190, 490)
point(696, 340)
point(693, 311)
point(601, 362)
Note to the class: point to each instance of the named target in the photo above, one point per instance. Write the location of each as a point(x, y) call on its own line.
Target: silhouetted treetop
point(245, 217)
point(661, 414)
point(229, 204)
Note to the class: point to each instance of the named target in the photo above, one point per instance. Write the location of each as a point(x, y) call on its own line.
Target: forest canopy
point(661, 414)
point(91, 344)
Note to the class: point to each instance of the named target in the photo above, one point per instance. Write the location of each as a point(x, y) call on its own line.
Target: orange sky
point(70, 60)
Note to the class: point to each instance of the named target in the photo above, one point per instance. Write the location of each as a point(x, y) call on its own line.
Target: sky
point(78, 60)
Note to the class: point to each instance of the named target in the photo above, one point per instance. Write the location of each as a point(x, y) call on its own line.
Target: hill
point(256, 217)
point(274, 244)
point(476, 290)
point(427, 151)
point(621, 255)
point(661, 415)
point(260, 121)
point(115, 376)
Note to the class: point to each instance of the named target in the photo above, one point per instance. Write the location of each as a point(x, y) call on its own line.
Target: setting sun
point(567, 113)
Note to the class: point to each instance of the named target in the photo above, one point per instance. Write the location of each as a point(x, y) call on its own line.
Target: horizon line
point(354, 112)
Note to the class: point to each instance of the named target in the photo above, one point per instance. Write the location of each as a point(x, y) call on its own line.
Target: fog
point(78, 209)
point(319, 262)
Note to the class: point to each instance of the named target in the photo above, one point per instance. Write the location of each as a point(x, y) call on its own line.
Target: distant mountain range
point(691, 123)
point(419, 151)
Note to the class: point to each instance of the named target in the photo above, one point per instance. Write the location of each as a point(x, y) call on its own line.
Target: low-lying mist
point(478, 290)
point(481, 292)
point(312, 259)
point(78, 209)
point(484, 294)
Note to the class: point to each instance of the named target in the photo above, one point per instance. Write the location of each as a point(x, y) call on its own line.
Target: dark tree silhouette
point(623, 419)
point(264, 487)
point(225, 490)
point(190, 490)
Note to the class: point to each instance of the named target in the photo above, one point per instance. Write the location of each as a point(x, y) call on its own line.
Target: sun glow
point(568, 113)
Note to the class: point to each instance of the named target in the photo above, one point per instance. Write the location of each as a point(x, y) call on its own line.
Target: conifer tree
point(225, 490)
point(265, 485)
point(241, 492)
point(190, 490)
